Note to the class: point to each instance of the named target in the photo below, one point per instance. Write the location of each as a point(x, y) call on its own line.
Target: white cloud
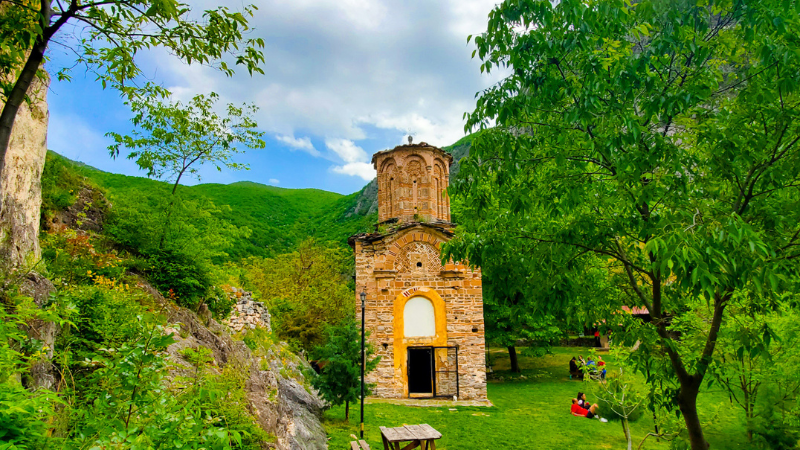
point(353, 156)
point(359, 169)
point(346, 149)
point(274, 181)
point(303, 143)
point(336, 67)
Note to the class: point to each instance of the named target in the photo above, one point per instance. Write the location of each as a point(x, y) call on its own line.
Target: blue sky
point(344, 79)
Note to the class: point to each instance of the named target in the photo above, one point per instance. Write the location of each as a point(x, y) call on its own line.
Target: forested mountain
point(278, 218)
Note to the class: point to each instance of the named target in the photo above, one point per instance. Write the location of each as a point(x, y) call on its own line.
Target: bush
point(219, 302)
point(22, 412)
point(179, 277)
point(75, 258)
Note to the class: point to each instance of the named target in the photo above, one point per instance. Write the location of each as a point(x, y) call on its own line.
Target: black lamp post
point(363, 361)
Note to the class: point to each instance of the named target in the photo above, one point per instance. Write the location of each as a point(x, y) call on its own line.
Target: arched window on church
point(416, 197)
point(391, 198)
point(419, 319)
point(437, 200)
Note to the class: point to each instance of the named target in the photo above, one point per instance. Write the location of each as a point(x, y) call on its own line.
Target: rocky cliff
point(277, 391)
point(20, 188)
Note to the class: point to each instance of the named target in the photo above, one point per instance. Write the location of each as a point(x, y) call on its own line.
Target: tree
point(107, 37)
point(756, 352)
point(619, 395)
point(172, 139)
point(340, 378)
point(661, 137)
point(507, 307)
point(305, 291)
point(516, 281)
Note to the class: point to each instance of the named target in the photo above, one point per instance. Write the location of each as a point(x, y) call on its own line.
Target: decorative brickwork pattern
point(418, 257)
point(412, 183)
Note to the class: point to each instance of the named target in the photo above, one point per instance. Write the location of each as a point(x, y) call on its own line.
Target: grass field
point(530, 412)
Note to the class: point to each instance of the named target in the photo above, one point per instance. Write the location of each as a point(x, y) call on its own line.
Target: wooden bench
point(359, 445)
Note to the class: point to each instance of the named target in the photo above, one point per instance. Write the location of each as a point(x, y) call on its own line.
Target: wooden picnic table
point(423, 436)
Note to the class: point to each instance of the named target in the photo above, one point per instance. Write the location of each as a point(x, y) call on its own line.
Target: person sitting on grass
point(582, 401)
point(578, 411)
point(590, 413)
point(574, 372)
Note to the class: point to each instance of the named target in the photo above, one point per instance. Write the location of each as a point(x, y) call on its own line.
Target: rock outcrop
point(43, 373)
point(88, 213)
point(20, 183)
point(276, 387)
point(366, 201)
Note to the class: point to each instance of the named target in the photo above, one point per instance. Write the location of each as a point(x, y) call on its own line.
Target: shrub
point(219, 302)
point(22, 412)
point(178, 276)
point(74, 258)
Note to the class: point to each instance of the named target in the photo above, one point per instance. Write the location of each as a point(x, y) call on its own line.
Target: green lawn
point(527, 413)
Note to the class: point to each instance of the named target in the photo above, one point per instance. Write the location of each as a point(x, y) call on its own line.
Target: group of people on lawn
point(579, 367)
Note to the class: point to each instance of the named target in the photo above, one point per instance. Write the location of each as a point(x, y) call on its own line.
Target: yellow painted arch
point(401, 343)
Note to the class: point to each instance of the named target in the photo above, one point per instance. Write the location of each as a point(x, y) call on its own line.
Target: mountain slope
point(278, 218)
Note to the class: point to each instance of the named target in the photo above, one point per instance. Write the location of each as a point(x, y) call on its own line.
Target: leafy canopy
point(109, 36)
point(663, 137)
point(172, 139)
point(305, 290)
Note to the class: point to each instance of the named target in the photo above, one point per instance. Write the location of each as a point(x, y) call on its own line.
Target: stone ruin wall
point(247, 313)
point(386, 271)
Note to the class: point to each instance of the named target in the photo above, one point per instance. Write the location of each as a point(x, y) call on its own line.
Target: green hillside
point(278, 218)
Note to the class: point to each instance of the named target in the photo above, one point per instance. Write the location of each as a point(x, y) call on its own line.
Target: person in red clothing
point(576, 410)
point(600, 361)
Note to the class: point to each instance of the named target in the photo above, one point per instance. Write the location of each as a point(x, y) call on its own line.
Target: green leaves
point(172, 139)
point(340, 378)
point(664, 141)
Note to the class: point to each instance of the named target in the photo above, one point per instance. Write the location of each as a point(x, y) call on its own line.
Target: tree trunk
point(17, 98)
point(687, 402)
point(512, 355)
point(627, 430)
point(346, 410)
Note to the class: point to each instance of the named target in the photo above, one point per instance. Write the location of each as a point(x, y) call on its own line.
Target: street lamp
point(363, 361)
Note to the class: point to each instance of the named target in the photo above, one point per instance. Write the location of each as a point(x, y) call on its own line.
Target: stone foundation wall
point(247, 313)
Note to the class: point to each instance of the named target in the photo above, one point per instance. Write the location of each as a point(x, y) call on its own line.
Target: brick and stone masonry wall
point(247, 313)
point(387, 267)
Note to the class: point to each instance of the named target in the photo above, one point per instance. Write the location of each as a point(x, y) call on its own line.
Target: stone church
point(425, 318)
